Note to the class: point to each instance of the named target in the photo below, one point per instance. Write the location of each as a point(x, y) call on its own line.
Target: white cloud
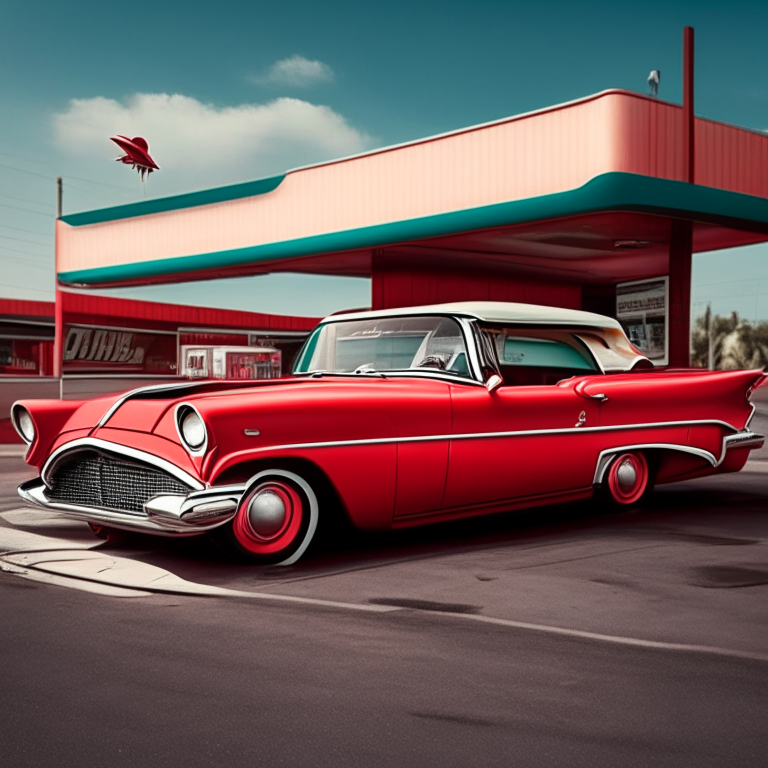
point(197, 144)
point(295, 71)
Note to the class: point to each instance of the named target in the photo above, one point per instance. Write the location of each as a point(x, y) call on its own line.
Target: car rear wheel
point(275, 520)
point(627, 479)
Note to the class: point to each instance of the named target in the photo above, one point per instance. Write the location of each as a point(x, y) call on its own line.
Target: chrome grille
point(93, 479)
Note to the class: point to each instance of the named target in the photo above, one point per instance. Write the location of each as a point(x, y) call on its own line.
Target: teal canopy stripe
point(175, 203)
point(608, 192)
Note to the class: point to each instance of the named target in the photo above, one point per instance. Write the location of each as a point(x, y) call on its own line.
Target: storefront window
point(24, 357)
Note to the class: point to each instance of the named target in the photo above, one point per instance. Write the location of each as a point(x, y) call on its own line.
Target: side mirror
point(493, 382)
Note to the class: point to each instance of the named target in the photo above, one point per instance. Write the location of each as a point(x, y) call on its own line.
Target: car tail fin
point(760, 380)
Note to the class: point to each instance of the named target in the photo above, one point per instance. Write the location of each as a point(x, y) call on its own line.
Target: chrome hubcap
point(267, 513)
point(626, 476)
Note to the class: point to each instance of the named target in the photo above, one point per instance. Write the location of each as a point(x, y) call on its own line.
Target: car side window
point(539, 356)
point(547, 353)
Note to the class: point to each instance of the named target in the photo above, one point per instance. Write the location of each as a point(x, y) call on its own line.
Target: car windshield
point(386, 344)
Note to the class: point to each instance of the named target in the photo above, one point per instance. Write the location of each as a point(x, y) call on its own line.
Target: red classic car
point(400, 418)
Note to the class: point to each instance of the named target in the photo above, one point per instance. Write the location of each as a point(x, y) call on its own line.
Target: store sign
point(642, 308)
point(106, 349)
point(101, 345)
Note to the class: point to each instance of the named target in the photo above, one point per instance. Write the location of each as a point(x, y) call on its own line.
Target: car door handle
point(579, 390)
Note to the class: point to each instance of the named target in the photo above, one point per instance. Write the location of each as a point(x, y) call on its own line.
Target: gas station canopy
point(584, 192)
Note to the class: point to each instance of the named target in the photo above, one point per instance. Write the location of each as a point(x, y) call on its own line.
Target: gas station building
point(596, 204)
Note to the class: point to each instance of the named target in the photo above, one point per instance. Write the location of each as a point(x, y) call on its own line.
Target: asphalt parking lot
point(560, 637)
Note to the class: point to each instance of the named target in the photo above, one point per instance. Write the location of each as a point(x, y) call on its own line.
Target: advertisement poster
point(642, 308)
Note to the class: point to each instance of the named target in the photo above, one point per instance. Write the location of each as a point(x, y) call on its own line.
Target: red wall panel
point(22, 308)
point(102, 310)
point(403, 287)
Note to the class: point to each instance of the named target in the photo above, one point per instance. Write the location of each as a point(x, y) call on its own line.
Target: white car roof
point(493, 312)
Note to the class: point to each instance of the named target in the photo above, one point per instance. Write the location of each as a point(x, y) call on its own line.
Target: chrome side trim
point(120, 450)
point(745, 439)
point(751, 415)
point(604, 459)
point(490, 435)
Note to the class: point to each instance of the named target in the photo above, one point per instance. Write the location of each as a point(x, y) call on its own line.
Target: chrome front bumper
point(165, 515)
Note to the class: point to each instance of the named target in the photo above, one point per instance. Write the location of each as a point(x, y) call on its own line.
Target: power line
point(102, 183)
point(739, 280)
point(22, 170)
point(34, 290)
point(31, 264)
point(26, 159)
point(24, 240)
point(25, 200)
point(97, 195)
point(28, 253)
point(76, 178)
point(29, 231)
point(48, 216)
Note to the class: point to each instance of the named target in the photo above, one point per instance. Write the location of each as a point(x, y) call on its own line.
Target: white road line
point(616, 639)
point(74, 565)
point(119, 577)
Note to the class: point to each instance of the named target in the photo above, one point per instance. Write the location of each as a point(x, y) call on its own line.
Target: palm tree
point(727, 343)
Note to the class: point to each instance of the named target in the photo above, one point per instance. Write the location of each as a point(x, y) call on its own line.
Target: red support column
point(681, 237)
point(58, 315)
point(680, 262)
point(688, 119)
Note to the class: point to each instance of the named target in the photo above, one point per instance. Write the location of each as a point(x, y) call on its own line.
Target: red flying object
point(136, 154)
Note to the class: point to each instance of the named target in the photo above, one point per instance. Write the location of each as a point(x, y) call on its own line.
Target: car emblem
point(582, 419)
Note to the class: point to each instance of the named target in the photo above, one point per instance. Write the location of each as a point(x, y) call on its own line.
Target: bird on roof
point(136, 154)
point(653, 80)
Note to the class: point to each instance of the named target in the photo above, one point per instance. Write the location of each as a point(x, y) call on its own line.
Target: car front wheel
point(275, 520)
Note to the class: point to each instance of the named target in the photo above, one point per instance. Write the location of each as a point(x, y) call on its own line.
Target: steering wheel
point(432, 361)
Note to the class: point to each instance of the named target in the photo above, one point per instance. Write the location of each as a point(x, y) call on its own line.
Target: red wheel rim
point(278, 535)
point(628, 478)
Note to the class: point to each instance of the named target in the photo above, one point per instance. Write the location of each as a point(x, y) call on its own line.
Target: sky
point(233, 91)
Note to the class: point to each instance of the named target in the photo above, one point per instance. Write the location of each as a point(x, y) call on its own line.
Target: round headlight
point(192, 429)
point(24, 424)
